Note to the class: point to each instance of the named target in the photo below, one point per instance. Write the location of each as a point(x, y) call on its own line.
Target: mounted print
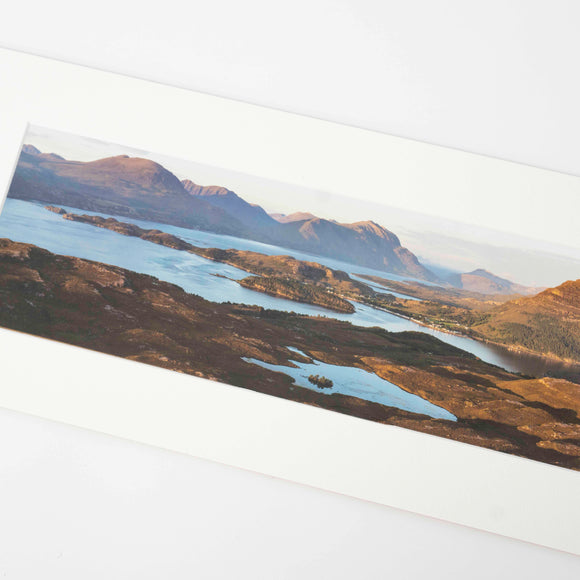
point(365, 314)
point(387, 319)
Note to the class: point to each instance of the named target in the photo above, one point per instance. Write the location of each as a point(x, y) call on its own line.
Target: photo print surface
point(383, 314)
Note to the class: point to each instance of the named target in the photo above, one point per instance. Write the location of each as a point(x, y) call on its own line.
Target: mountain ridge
point(144, 189)
point(230, 202)
point(120, 185)
point(293, 217)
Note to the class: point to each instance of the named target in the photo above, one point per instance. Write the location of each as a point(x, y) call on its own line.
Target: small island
point(321, 382)
point(281, 276)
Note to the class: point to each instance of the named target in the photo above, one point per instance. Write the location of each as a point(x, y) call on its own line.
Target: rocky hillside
point(122, 313)
point(548, 322)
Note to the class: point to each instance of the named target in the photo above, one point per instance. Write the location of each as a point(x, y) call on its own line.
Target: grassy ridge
point(547, 323)
point(138, 317)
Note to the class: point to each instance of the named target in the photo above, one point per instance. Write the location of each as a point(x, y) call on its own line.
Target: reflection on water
point(357, 383)
point(29, 222)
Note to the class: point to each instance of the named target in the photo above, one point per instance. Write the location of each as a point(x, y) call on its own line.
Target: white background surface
point(495, 78)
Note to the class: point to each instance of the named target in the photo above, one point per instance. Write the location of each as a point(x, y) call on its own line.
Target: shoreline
point(213, 254)
point(512, 348)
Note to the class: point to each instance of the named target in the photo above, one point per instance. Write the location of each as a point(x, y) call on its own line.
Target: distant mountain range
point(143, 189)
point(120, 185)
point(485, 282)
point(364, 243)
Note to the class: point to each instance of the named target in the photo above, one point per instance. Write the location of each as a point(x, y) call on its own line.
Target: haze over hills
point(141, 188)
point(485, 282)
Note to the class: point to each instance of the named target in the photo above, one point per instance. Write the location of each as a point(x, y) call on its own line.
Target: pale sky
point(443, 242)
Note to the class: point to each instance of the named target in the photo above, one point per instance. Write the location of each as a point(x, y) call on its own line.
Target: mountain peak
point(481, 272)
point(568, 292)
point(206, 190)
point(293, 217)
point(117, 185)
point(188, 184)
point(363, 243)
point(485, 282)
point(129, 177)
point(126, 160)
point(366, 223)
point(226, 199)
point(52, 157)
point(138, 167)
point(369, 227)
point(30, 149)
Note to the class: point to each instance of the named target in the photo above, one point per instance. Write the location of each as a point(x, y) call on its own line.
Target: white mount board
point(449, 480)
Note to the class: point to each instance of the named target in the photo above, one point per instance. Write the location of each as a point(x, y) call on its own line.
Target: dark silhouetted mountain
point(30, 149)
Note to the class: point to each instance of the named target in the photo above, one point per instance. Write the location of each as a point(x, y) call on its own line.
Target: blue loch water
point(357, 383)
point(29, 222)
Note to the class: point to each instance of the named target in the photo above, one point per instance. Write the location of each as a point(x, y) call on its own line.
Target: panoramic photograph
point(455, 330)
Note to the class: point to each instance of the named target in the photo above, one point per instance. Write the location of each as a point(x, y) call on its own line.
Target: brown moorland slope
point(548, 323)
point(115, 311)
